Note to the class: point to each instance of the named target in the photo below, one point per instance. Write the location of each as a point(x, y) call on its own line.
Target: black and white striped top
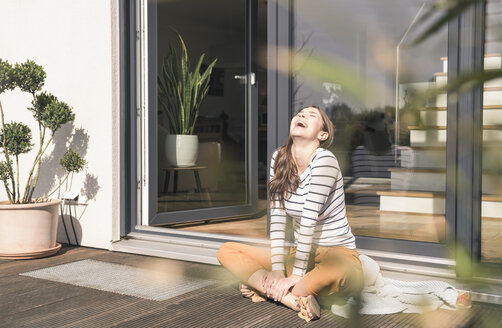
point(317, 208)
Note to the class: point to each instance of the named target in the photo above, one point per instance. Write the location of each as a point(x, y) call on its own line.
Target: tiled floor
point(31, 302)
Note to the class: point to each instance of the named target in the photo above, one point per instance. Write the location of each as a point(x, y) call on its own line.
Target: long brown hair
point(286, 177)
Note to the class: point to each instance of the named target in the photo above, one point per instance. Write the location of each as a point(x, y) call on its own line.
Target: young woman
point(305, 185)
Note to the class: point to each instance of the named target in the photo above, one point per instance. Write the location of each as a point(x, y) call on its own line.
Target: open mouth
point(301, 124)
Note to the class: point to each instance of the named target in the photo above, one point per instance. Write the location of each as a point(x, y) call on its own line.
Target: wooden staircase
point(420, 188)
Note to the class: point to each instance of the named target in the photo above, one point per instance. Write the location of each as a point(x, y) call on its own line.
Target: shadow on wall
point(78, 139)
point(69, 228)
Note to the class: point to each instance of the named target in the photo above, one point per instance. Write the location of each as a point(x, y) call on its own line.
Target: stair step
point(491, 96)
point(486, 56)
point(436, 135)
point(416, 170)
point(432, 170)
point(432, 203)
point(435, 157)
point(441, 80)
point(491, 61)
point(430, 194)
point(428, 157)
point(434, 180)
point(491, 117)
point(412, 193)
point(443, 127)
point(443, 108)
point(443, 147)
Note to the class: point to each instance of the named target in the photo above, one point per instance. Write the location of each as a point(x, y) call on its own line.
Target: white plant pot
point(182, 150)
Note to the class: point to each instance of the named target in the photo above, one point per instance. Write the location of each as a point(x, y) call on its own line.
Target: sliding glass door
point(222, 180)
point(357, 60)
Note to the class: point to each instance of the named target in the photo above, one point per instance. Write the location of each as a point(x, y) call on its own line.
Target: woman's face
point(307, 124)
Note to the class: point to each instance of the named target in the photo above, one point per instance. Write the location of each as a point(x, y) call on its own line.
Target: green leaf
point(6, 76)
point(55, 114)
point(29, 76)
point(180, 88)
point(40, 104)
point(6, 170)
point(72, 162)
point(17, 138)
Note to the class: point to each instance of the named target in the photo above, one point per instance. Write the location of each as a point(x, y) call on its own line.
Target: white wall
point(76, 43)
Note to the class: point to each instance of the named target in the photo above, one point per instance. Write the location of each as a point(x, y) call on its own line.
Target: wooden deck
point(30, 302)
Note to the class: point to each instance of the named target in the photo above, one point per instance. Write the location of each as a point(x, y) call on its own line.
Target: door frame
point(150, 175)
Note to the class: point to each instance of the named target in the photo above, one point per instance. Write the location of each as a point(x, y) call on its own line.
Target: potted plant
point(180, 94)
point(28, 225)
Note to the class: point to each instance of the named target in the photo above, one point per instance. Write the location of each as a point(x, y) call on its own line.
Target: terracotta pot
point(28, 230)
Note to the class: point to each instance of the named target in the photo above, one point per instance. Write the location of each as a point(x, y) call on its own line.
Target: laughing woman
point(305, 185)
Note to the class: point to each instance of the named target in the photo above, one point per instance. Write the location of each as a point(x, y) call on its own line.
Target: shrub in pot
point(28, 225)
point(181, 93)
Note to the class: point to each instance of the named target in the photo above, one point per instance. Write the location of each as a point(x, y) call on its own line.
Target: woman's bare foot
point(306, 306)
point(309, 308)
point(245, 291)
point(248, 293)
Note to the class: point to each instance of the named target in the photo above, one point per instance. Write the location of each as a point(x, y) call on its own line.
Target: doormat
point(121, 279)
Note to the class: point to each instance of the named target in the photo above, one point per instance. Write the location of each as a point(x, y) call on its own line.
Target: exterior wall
point(76, 42)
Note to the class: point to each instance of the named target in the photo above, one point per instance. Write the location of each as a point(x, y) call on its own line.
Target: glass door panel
point(355, 59)
point(220, 178)
point(491, 202)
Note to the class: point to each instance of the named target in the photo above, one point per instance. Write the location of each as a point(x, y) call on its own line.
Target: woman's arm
point(325, 171)
point(277, 229)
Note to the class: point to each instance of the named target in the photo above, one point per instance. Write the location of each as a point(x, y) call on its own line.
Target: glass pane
point(354, 58)
point(218, 175)
point(491, 208)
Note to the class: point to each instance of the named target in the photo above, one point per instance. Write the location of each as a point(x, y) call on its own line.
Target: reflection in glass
point(218, 177)
point(354, 58)
point(491, 207)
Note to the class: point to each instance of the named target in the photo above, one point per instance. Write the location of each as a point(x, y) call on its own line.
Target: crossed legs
point(250, 265)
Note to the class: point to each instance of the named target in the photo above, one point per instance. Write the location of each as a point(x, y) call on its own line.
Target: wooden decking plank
point(45, 294)
point(103, 303)
point(37, 315)
point(229, 310)
point(106, 314)
point(52, 304)
point(173, 309)
point(123, 315)
point(67, 256)
point(17, 285)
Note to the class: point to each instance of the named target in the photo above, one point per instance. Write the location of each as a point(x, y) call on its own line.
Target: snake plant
point(181, 91)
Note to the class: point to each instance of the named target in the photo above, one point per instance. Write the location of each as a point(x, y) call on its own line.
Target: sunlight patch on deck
point(121, 279)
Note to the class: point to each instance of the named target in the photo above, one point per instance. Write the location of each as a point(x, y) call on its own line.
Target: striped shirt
point(317, 209)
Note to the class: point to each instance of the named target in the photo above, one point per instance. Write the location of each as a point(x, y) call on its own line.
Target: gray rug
point(121, 279)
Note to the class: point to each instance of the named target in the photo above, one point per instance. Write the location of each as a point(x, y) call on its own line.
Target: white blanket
point(385, 296)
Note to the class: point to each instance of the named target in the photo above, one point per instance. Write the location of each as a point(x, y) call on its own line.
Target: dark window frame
point(465, 53)
point(128, 149)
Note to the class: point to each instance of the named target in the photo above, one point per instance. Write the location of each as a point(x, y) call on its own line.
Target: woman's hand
point(282, 287)
point(270, 279)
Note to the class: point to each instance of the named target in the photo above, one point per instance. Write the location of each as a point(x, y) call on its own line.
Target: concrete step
point(441, 79)
point(432, 203)
point(492, 61)
point(436, 116)
point(435, 157)
point(491, 96)
point(434, 180)
point(436, 135)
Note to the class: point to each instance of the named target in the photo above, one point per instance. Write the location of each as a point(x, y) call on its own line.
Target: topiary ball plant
point(15, 138)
